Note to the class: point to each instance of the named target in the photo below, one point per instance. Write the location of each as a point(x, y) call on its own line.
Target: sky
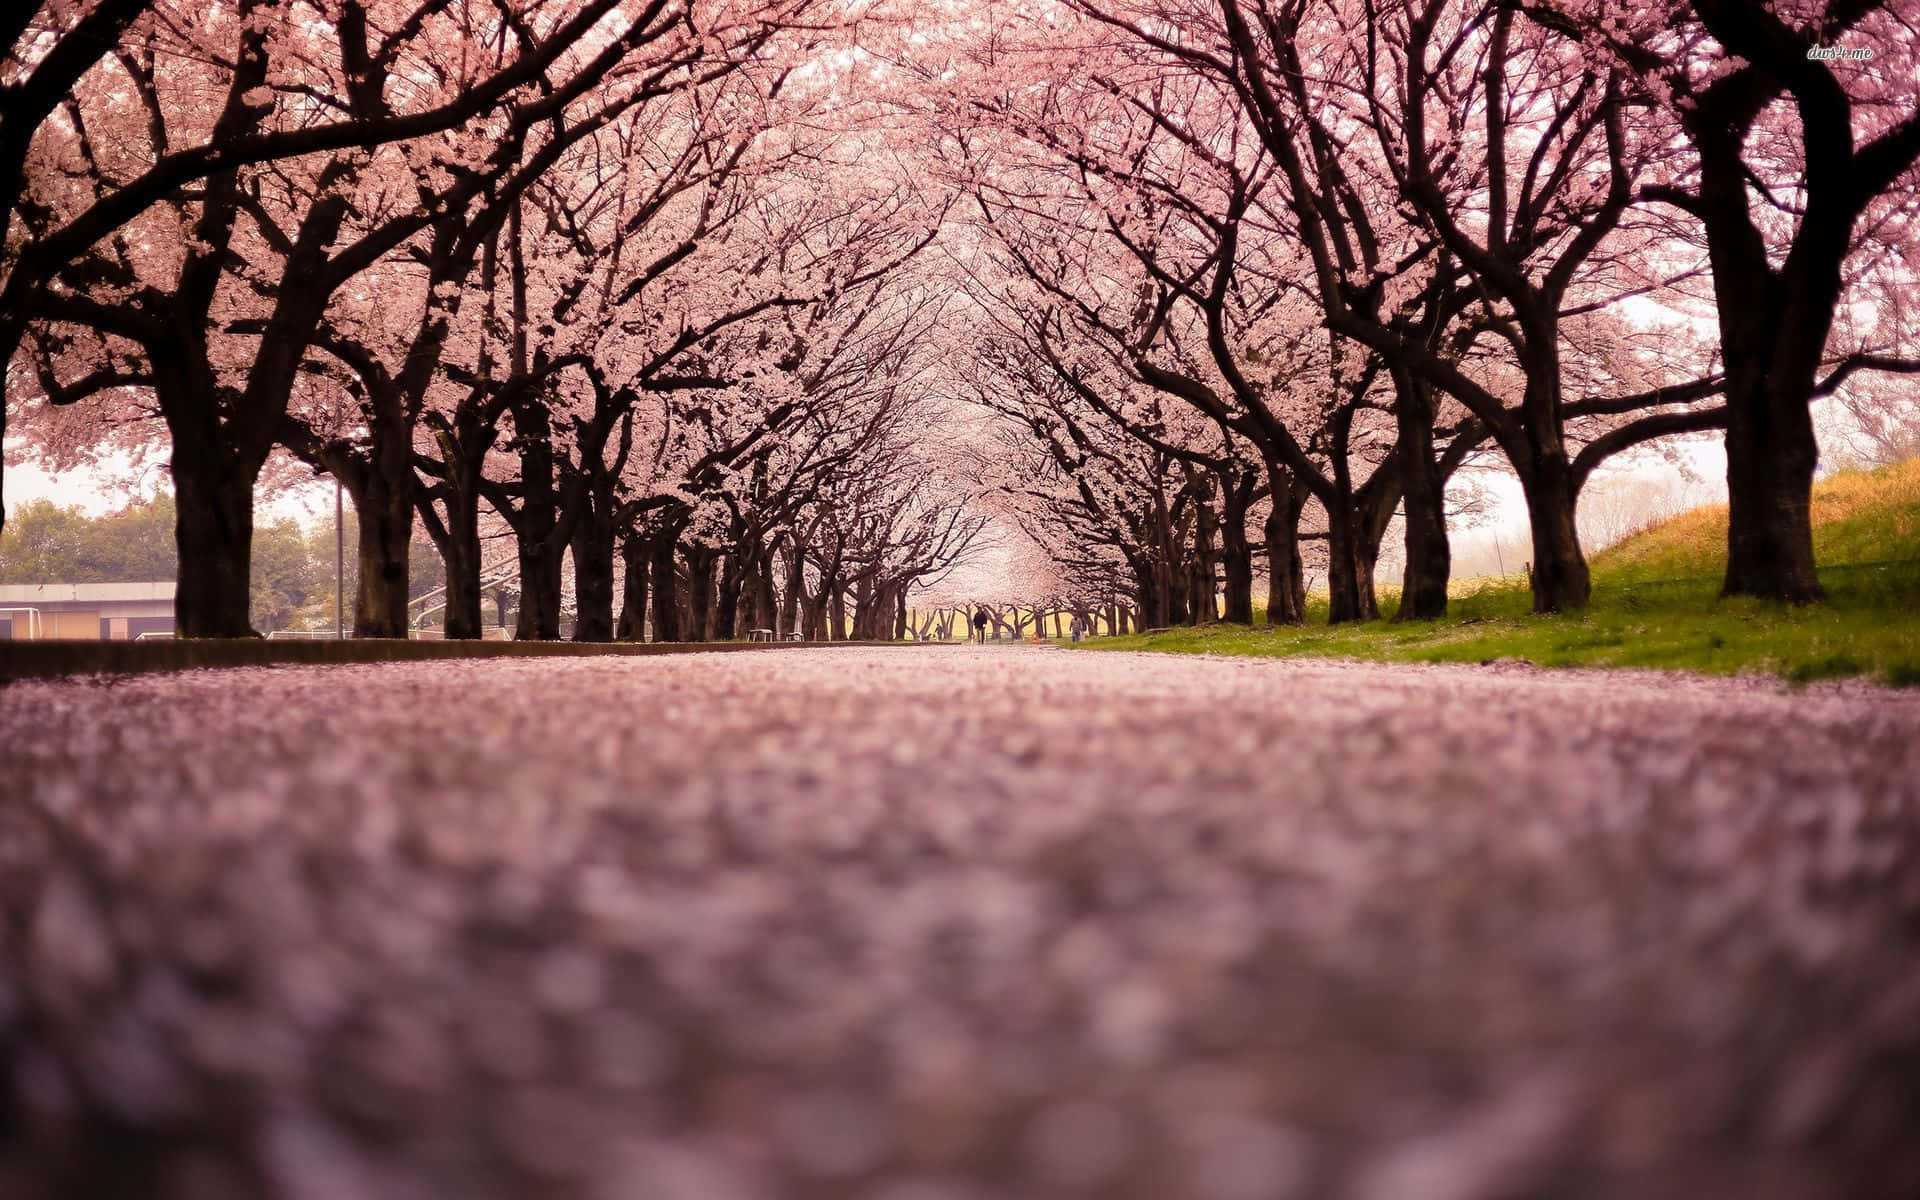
point(123, 480)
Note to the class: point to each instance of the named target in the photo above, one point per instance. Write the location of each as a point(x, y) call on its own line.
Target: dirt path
point(960, 924)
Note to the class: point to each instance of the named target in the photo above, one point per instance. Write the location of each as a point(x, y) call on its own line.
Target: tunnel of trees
point(683, 319)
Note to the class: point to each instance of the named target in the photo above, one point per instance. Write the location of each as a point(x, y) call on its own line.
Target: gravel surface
point(957, 924)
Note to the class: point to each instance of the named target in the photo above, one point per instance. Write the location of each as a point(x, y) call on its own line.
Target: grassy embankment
point(1656, 604)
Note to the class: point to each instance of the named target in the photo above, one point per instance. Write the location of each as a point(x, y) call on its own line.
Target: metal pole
point(339, 566)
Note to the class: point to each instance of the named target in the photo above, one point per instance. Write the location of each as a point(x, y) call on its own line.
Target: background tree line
point(294, 564)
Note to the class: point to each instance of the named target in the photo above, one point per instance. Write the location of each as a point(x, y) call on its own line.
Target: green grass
point(1656, 604)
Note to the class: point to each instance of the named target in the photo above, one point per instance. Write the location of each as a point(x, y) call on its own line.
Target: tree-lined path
point(681, 319)
point(951, 924)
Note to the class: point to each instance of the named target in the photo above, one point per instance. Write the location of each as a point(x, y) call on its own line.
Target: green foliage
point(288, 571)
point(1656, 603)
point(45, 543)
point(293, 566)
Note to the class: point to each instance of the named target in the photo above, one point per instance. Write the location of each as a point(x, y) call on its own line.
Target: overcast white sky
point(103, 491)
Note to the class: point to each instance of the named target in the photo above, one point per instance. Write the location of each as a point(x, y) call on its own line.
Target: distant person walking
point(1079, 626)
point(980, 623)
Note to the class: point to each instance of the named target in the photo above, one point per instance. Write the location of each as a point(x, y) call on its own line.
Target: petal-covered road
point(956, 924)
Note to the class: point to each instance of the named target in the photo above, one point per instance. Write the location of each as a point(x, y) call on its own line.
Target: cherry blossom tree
point(384, 373)
point(173, 291)
point(1506, 152)
point(296, 81)
point(1802, 126)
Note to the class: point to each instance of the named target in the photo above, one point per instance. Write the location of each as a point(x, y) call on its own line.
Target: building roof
point(82, 593)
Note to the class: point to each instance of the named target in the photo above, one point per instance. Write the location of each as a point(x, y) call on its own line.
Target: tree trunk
point(533, 528)
point(592, 546)
point(1202, 584)
point(1366, 554)
point(699, 593)
point(539, 619)
point(868, 601)
point(1147, 592)
point(213, 533)
point(1373, 512)
point(460, 551)
point(383, 487)
point(726, 612)
point(765, 607)
point(456, 532)
point(666, 604)
point(790, 619)
point(1771, 456)
point(633, 590)
point(1236, 553)
point(1774, 326)
point(385, 513)
point(1559, 569)
point(1169, 604)
point(1286, 573)
point(861, 614)
point(1423, 584)
point(1349, 587)
point(1352, 541)
point(1343, 561)
point(1175, 584)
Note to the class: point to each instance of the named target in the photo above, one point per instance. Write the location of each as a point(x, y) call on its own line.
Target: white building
point(85, 611)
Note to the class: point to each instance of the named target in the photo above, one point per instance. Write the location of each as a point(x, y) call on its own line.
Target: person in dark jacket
point(980, 623)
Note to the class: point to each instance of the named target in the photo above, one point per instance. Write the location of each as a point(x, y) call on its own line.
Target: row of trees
point(681, 294)
point(1259, 275)
point(630, 284)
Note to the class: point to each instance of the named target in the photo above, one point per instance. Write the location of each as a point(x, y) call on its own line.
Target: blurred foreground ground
point(956, 924)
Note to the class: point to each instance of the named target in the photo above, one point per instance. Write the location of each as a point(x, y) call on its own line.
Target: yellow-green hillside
point(1859, 517)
